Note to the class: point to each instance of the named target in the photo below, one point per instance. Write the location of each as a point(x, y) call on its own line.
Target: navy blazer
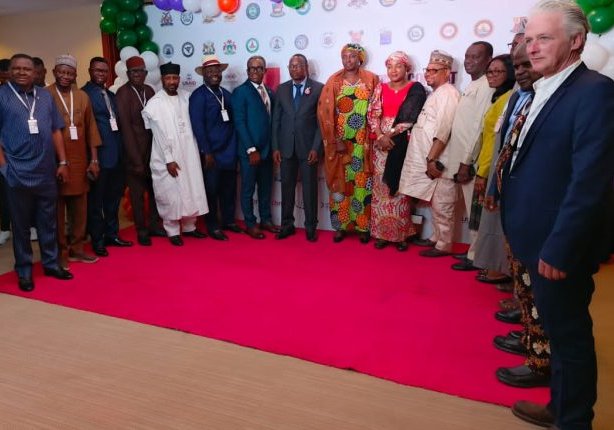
point(297, 131)
point(251, 119)
point(556, 198)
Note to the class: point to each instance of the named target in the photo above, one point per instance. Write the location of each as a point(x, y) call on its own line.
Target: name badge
point(225, 116)
point(498, 124)
point(113, 123)
point(73, 132)
point(33, 126)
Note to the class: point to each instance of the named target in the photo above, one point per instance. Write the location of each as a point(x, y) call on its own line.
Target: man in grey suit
point(297, 144)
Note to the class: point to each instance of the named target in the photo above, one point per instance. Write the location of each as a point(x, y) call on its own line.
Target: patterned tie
point(512, 140)
point(297, 95)
point(264, 98)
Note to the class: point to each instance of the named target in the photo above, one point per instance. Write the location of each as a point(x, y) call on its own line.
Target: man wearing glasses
point(427, 154)
point(252, 102)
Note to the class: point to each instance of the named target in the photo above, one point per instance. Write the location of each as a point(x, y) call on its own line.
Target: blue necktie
point(297, 95)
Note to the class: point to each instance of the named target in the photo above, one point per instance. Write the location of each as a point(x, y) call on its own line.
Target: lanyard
point(105, 96)
point(26, 103)
point(221, 102)
point(142, 100)
point(71, 113)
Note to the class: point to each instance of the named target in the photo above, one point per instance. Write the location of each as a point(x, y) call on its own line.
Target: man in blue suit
point(556, 194)
point(252, 102)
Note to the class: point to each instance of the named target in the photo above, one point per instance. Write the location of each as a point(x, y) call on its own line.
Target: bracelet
point(94, 161)
point(63, 163)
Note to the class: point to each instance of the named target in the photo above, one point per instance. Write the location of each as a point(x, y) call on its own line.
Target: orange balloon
point(228, 6)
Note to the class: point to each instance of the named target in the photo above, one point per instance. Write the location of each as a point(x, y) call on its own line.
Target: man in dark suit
point(555, 211)
point(297, 143)
point(252, 102)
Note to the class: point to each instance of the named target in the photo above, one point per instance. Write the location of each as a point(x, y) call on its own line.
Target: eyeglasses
point(433, 70)
point(255, 69)
point(494, 72)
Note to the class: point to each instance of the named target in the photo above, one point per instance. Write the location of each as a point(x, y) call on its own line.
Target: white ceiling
point(18, 7)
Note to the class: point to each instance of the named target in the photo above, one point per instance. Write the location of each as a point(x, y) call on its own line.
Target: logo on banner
point(208, 48)
point(385, 37)
point(229, 47)
point(448, 31)
point(189, 82)
point(166, 19)
point(252, 11)
point(276, 43)
point(329, 5)
point(357, 3)
point(187, 18)
point(387, 3)
point(483, 28)
point(304, 9)
point(415, 33)
point(278, 10)
point(328, 39)
point(301, 41)
point(187, 49)
point(168, 51)
point(356, 36)
point(252, 45)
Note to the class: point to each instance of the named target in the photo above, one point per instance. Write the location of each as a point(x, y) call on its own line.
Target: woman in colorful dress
point(342, 114)
point(393, 110)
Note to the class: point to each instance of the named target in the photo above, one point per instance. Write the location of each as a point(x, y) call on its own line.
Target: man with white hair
point(557, 203)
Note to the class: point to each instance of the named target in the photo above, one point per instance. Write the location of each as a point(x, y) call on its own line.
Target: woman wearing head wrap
point(342, 111)
point(393, 110)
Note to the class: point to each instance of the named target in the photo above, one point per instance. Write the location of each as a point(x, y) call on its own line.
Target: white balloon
point(120, 70)
point(192, 5)
point(608, 69)
point(607, 41)
point(594, 55)
point(151, 60)
point(209, 8)
point(118, 82)
point(153, 77)
point(127, 52)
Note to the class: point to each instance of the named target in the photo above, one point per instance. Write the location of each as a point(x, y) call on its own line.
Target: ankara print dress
point(351, 210)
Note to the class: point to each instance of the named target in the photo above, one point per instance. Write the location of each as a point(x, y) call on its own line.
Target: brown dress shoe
point(269, 226)
point(255, 233)
point(533, 413)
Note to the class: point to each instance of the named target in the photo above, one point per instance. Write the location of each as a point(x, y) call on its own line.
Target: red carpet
point(393, 315)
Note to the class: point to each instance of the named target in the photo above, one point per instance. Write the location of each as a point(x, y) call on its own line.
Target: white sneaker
point(4, 236)
point(33, 235)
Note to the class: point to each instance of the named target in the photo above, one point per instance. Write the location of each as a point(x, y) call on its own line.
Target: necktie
point(297, 95)
point(512, 139)
point(264, 98)
point(105, 96)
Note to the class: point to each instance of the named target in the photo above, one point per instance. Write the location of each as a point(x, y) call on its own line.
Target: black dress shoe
point(402, 246)
point(143, 240)
point(218, 235)
point(380, 244)
point(464, 265)
point(510, 317)
point(510, 344)
point(506, 287)
point(232, 227)
point(364, 237)
point(517, 334)
point(25, 284)
point(488, 280)
point(285, 232)
point(462, 256)
point(157, 232)
point(427, 243)
point(195, 234)
point(270, 227)
point(255, 233)
point(176, 240)
point(57, 273)
point(433, 252)
point(339, 236)
point(522, 377)
point(117, 242)
point(100, 251)
point(533, 413)
point(311, 235)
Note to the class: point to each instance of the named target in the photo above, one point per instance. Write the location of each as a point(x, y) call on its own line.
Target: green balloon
point(108, 9)
point(144, 33)
point(585, 5)
point(149, 46)
point(601, 19)
point(130, 5)
point(294, 3)
point(126, 38)
point(108, 26)
point(141, 17)
point(600, 3)
point(125, 20)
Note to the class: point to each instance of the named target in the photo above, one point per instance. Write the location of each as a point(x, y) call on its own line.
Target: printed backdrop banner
point(319, 29)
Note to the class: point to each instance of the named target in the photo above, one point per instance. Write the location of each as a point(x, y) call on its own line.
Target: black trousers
point(221, 188)
point(5, 214)
point(103, 205)
point(138, 185)
point(289, 169)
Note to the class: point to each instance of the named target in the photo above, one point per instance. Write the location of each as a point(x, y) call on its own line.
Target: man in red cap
point(131, 99)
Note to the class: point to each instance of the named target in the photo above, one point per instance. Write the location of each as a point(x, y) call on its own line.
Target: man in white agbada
point(427, 154)
point(175, 162)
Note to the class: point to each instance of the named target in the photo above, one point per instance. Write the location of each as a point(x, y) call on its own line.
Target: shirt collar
point(554, 81)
